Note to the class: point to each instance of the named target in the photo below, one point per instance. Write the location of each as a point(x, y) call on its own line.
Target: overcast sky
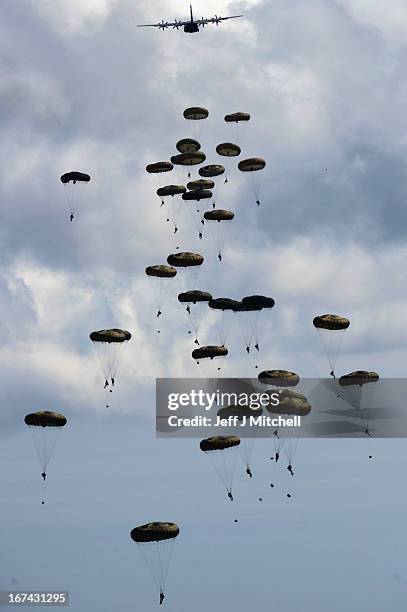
point(81, 88)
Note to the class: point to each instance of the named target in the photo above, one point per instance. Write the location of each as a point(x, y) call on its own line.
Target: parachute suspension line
point(223, 325)
point(194, 326)
point(73, 196)
point(195, 219)
point(229, 470)
point(158, 561)
point(256, 336)
point(256, 185)
point(227, 462)
point(246, 451)
point(43, 447)
point(332, 344)
point(291, 446)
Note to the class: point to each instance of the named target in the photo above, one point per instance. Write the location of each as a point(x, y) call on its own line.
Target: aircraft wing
point(215, 19)
point(164, 24)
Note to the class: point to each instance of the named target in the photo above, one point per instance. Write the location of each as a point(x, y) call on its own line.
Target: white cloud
point(390, 19)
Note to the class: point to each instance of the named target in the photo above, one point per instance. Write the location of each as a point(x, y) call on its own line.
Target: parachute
point(237, 117)
point(163, 273)
point(193, 158)
point(246, 447)
point(218, 219)
point(238, 122)
point(207, 357)
point(188, 145)
point(195, 116)
point(73, 181)
point(228, 150)
point(209, 352)
point(75, 177)
point(168, 193)
point(159, 167)
point(279, 378)
point(211, 170)
point(223, 307)
point(188, 265)
point(353, 392)
point(108, 343)
point(156, 542)
point(291, 404)
point(196, 113)
point(358, 378)
point(252, 166)
point(221, 450)
point(170, 190)
point(331, 328)
point(251, 311)
point(201, 184)
point(196, 308)
point(219, 215)
point(284, 379)
point(188, 159)
point(45, 428)
point(197, 194)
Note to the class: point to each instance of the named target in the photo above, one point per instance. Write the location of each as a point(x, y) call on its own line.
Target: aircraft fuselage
point(191, 27)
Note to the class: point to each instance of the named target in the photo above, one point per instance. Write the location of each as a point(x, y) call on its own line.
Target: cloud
point(84, 89)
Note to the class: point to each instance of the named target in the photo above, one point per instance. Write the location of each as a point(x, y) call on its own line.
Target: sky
point(82, 88)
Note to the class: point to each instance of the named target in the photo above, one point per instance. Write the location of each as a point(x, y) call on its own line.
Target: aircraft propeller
point(163, 25)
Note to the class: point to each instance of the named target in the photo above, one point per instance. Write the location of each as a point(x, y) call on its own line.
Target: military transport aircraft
point(189, 26)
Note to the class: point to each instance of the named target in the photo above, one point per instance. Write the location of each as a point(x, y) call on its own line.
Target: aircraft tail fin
point(192, 17)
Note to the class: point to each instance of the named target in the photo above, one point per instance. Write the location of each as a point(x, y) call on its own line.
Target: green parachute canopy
point(219, 215)
point(184, 260)
point(200, 184)
point(218, 443)
point(154, 532)
point(45, 419)
point(211, 170)
point(253, 164)
point(170, 190)
point(331, 322)
point(161, 271)
point(279, 378)
point(188, 145)
point(194, 296)
point(75, 177)
point(188, 159)
point(237, 117)
point(292, 404)
point(209, 352)
point(258, 301)
point(110, 335)
point(359, 377)
point(228, 149)
point(196, 113)
point(159, 167)
point(223, 304)
point(197, 194)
